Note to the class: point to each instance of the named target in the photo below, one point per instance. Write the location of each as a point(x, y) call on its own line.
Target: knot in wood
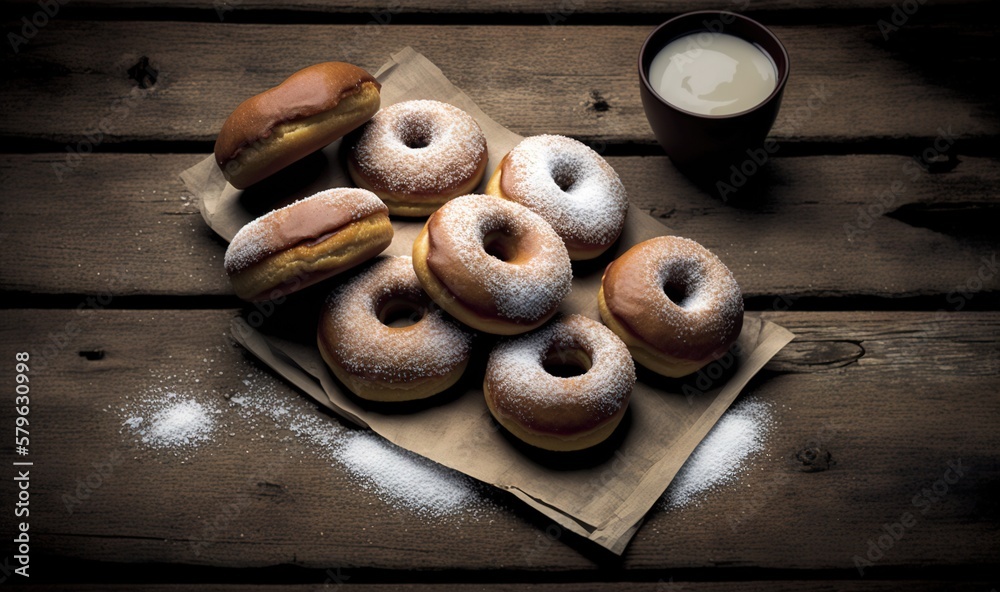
point(813, 459)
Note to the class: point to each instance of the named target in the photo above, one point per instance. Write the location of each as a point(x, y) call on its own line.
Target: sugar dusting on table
point(397, 476)
point(167, 420)
point(723, 456)
point(411, 480)
point(179, 413)
point(172, 415)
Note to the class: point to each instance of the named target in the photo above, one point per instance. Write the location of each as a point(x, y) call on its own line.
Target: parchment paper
point(600, 494)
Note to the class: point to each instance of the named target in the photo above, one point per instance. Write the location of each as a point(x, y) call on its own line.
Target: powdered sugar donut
point(557, 412)
point(568, 184)
point(380, 358)
point(493, 264)
point(673, 302)
point(416, 155)
point(308, 241)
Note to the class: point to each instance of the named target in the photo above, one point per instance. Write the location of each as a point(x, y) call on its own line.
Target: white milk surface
point(713, 74)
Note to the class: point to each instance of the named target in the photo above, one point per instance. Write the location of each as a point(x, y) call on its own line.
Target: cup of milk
point(711, 84)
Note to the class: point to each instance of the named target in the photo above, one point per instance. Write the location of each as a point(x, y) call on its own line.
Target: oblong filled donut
point(310, 109)
point(308, 241)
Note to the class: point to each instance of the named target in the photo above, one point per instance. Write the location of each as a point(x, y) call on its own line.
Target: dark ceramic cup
point(705, 141)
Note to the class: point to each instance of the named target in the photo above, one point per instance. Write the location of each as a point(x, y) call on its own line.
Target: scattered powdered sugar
point(420, 147)
point(709, 283)
point(310, 216)
point(178, 413)
point(398, 477)
point(526, 291)
point(410, 480)
point(569, 185)
point(520, 384)
point(181, 413)
point(167, 420)
point(723, 455)
point(434, 346)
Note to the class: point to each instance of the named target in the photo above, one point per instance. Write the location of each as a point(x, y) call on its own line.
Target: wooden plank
point(662, 586)
point(558, 11)
point(73, 78)
point(122, 224)
point(891, 398)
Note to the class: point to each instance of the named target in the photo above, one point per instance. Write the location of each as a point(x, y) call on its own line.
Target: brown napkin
point(601, 494)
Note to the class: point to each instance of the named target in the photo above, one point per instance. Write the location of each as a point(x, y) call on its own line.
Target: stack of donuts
point(497, 263)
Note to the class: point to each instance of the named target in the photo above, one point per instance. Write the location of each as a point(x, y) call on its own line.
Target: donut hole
point(564, 175)
point(681, 280)
point(398, 312)
point(418, 142)
point(500, 244)
point(566, 362)
point(677, 291)
point(415, 135)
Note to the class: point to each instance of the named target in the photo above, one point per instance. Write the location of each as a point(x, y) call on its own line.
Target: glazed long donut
point(307, 111)
point(306, 242)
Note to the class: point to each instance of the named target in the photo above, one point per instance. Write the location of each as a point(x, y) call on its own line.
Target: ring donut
point(379, 358)
point(673, 302)
point(560, 412)
point(416, 155)
point(492, 264)
point(568, 184)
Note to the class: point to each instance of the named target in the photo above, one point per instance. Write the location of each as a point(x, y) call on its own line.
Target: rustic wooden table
point(871, 234)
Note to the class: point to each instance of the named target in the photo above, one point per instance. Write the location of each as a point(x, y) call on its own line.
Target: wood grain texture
point(885, 399)
point(555, 8)
point(122, 224)
point(663, 586)
point(73, 78)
